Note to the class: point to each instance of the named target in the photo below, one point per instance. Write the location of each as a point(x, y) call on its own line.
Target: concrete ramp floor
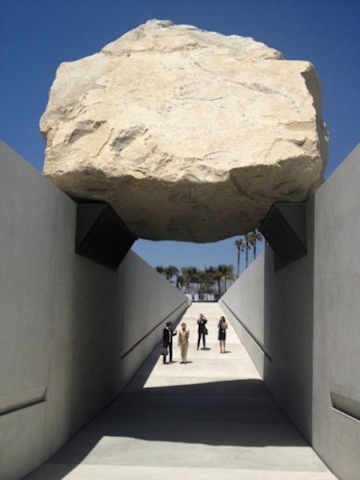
point(211, 419)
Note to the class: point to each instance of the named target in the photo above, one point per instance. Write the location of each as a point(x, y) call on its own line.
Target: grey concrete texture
point(301, 324)
point(276, 307)
point(211, 418)
point(72, 333)
point(336, 428)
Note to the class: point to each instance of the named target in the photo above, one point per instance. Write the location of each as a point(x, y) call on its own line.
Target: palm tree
point(221, 274)
point(191, 276)
point(170, 271)
point(160, 270)
point(254, 239)
point(205, 281)
point(239, 244)
point(211, 273)
point(217, 275)
point(180, 282)
point(228, 275)
point(251, 239)
point(247, 237)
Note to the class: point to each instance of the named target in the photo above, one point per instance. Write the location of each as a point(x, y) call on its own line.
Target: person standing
point(202, 330)
point(222, 326)
point(183, 342)
point(168, 342)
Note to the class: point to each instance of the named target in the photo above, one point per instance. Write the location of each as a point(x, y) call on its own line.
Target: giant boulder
point(189, 135)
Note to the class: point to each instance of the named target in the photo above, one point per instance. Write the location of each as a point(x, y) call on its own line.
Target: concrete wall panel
point(246, 310)
point(337, 328)
point(309, 315)
point(72, 333)
point(22, 442)
point(276, 313)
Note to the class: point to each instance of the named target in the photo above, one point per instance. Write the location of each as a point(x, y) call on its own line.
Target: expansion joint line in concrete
point(151, 331)
point(258, 343)
point(22, 399)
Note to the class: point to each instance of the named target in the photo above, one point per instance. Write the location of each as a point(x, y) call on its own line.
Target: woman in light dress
point(183, 342)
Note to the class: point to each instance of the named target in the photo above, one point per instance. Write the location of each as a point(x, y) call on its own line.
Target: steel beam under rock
point(284, 228)
point(101, 235)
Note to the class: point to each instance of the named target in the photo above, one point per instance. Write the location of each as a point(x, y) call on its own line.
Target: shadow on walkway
point(184, 417)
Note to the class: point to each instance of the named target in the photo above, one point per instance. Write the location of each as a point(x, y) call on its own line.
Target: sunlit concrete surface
point(209, 419)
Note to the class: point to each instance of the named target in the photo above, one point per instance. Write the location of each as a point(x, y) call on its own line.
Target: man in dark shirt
point(167, 341)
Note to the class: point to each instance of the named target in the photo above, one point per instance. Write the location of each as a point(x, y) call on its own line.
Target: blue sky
point(37, 35)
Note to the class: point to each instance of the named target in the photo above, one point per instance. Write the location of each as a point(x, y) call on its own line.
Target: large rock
point(189, 135)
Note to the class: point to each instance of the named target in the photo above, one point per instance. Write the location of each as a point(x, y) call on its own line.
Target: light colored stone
point(189, 135)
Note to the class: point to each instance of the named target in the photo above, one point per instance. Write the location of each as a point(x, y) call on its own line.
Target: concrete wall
point(72, 333)
point(336, 432)
point(274, 319)
point(245, 306)
point(301, 324)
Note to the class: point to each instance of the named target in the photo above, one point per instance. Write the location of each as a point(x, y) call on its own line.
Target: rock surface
point(189, 135)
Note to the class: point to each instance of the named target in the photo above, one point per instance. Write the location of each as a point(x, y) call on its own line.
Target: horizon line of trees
point(213, 280)
point(192, 280)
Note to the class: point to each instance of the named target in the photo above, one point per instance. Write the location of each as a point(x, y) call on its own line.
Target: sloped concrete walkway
point(211, 419)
